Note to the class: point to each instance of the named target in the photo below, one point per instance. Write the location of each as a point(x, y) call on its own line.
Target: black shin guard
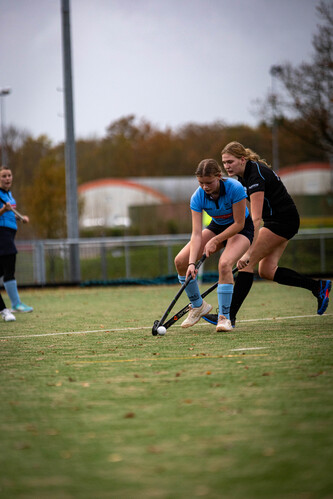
point(289, 277)
point(2, 304)
point(243, 284)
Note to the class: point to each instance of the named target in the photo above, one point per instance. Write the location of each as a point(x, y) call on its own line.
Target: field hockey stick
point(158, 323)
point(184, 310)
point(14, 210)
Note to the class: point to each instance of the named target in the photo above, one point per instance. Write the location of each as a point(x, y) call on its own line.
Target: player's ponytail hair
point(239, 151)
point(208, 168)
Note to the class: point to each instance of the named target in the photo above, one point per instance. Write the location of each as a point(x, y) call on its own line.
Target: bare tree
point(305, 106)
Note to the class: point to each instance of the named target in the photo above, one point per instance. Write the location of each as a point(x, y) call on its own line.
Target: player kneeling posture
point(224, 200)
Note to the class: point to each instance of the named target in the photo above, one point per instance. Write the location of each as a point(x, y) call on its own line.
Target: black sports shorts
point(247, 231)
point(7, 243)
point(286, 224)
point(7, 267)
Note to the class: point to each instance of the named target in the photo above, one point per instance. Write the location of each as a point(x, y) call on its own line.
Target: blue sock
point(192, 291)
point(11, 288)
point(224, 296)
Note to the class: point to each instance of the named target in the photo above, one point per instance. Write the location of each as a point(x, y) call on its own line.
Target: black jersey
point(260, 178)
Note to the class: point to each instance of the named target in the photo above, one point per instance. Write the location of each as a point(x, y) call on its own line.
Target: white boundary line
point(110, 330)
point(247, 348)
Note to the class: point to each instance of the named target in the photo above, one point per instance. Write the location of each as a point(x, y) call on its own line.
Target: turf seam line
point(151, 359)
point(109, 330)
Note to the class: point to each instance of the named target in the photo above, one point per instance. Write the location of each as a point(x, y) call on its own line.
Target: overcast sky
point(169, 61)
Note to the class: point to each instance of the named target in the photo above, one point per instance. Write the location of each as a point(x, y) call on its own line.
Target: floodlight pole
point(3, 93)
point(70, 149)
point(275, 71)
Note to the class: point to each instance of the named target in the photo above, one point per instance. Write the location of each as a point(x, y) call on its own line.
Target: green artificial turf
point(94, 406)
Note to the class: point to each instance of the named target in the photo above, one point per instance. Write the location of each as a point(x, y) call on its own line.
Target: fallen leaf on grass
point(153, 449)
point(314, 375)
point(129, 415)
point(52, 432)
point(31, 427)
point(268, 452)
point(114, 458)
point(22, 445)
point(267, 374)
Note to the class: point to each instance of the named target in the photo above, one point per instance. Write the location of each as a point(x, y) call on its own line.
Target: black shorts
point(7, 267)
point(7, 243)
point(247, 231)
point(286, 224)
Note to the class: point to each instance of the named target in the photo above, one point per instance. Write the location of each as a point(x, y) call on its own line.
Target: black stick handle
point(189, 278)
point(184, 310)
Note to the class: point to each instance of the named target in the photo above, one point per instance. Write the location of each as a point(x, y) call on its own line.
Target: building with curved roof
point(106, 202)
point(308, 178)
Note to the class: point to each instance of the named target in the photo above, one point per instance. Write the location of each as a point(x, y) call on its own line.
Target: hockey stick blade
point(172, 304)
point(184, 310)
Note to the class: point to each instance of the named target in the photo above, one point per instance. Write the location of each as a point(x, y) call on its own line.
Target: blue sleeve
point(240, 192)
point(237, 191)
point(8, 219)
point(196, 200)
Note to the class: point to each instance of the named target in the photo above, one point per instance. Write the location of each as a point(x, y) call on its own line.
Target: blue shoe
point(323, 297)
point(212, 318)
point(21, 307)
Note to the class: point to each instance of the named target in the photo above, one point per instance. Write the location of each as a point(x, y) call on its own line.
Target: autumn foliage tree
point(46, 198)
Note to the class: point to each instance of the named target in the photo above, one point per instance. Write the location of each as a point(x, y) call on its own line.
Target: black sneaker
point(323, 296)
point(212, 318)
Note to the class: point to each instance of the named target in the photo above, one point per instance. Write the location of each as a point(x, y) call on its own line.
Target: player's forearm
point(256, 225)
point(234, 229)
point(195, 248)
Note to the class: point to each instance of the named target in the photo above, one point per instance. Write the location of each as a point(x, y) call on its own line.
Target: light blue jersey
point(231, 192)
point(7, 219)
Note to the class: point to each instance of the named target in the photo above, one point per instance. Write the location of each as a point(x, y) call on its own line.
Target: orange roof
point(304, 167)
point(115, 182)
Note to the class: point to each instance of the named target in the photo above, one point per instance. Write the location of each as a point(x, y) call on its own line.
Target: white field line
point(247, 348)
point(129, 329)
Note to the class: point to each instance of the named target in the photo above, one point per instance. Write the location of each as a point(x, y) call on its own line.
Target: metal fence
point(47, 262)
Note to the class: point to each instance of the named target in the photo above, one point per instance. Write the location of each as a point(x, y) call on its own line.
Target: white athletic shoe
point(223, 324)
point(7, 315)
point(196, 313)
